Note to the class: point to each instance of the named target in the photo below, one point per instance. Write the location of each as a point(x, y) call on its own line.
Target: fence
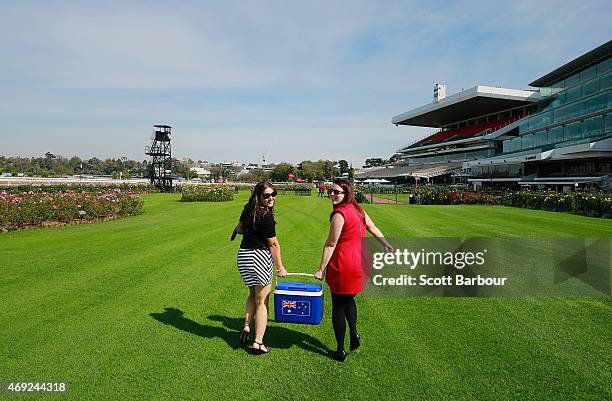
point(298, 192)
point(428, 195)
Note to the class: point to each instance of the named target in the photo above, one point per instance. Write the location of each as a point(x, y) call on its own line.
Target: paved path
point(378, 199)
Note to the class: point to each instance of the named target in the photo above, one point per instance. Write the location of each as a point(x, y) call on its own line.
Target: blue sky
point(238, 79)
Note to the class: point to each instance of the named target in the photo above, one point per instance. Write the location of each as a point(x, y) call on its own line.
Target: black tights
point(343, 310)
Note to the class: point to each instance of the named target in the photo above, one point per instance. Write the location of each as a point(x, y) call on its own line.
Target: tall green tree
point(374, 162)
point(281, 172)
point(329, 169)
point(344, 166)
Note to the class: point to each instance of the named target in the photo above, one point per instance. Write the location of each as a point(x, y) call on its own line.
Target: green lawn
point(149, 308)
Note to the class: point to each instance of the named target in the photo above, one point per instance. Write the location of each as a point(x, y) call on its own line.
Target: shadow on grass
point(276, 336)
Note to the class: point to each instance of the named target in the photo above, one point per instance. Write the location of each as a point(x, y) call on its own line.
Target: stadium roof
point(592, 57)
point(470, 103)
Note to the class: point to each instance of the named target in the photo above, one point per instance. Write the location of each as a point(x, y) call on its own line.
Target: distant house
point(230, 164)
point(200, 172)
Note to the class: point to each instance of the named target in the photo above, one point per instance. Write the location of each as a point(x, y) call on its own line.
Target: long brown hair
point(256, 207)
point(349, 196)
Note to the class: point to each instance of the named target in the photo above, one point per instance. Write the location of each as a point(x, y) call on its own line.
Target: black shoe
point(244, 337)
point(339, 355)
point(355, 342)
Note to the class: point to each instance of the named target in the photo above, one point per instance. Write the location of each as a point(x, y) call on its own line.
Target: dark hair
point(349, 196)
point(256, 208)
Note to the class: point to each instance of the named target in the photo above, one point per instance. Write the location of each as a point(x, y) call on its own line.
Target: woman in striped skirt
point(259, 251)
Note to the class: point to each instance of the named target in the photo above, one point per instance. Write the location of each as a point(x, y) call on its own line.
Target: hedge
point(207, 193)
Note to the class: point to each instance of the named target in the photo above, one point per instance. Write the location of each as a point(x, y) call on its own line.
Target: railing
point(298, 192)
point(505, 124)
point(155, 150)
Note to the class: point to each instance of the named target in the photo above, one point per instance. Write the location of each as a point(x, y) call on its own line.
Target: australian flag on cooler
point(296, 308)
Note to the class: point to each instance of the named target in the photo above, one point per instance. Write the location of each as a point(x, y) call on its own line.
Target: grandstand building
point(565, 141)
point(466, 122)
point(556, 135)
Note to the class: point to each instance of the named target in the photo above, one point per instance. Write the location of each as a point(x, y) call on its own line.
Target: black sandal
point(259, 350)
point(244, 337)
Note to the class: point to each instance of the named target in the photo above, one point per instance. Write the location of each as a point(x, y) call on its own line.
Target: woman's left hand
point(281, 272)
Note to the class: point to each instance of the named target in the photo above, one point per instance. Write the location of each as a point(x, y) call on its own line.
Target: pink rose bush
point(594, 204)
point(37, 208)
point(134, 188)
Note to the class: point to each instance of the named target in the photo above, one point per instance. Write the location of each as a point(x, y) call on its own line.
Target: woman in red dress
point(344, 265)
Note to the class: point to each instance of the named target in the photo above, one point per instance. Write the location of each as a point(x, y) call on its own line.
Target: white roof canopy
point(470, 103)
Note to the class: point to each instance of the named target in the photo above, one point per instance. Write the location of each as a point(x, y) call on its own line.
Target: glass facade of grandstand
point(579, 113)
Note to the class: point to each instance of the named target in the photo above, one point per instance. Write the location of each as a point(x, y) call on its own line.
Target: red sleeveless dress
point(349, 268)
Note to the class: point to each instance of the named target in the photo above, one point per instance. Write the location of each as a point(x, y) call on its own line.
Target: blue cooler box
point(298, 302)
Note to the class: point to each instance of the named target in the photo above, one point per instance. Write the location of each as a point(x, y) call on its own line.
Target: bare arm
point(375, 231)
point(335, 228)
point(276, 256)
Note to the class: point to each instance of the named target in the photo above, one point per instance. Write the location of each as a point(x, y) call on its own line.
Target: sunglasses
point(334, 191)
point(268, 195)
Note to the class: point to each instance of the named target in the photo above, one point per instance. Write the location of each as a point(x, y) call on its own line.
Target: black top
point(256, 237)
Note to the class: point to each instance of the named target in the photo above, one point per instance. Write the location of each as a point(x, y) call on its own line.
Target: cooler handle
point(292, 274)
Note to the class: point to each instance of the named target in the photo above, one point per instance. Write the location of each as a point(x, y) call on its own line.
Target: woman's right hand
point(281, 272)
point(319, 274)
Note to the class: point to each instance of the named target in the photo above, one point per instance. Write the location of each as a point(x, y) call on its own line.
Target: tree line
point(56, 166)
point(309, 170)
point(306, 170)
point(52, 165)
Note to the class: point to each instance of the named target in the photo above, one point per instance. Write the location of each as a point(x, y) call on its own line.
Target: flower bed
point(86, 186)
point(39, 208)
point(474, 198)
point(433, 195)
point(595, 204)
point(207, 193)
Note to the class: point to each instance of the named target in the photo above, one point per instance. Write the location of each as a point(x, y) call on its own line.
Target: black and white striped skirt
point(255, 266)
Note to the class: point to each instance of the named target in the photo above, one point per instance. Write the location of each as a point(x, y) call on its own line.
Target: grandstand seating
point(459, 133)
